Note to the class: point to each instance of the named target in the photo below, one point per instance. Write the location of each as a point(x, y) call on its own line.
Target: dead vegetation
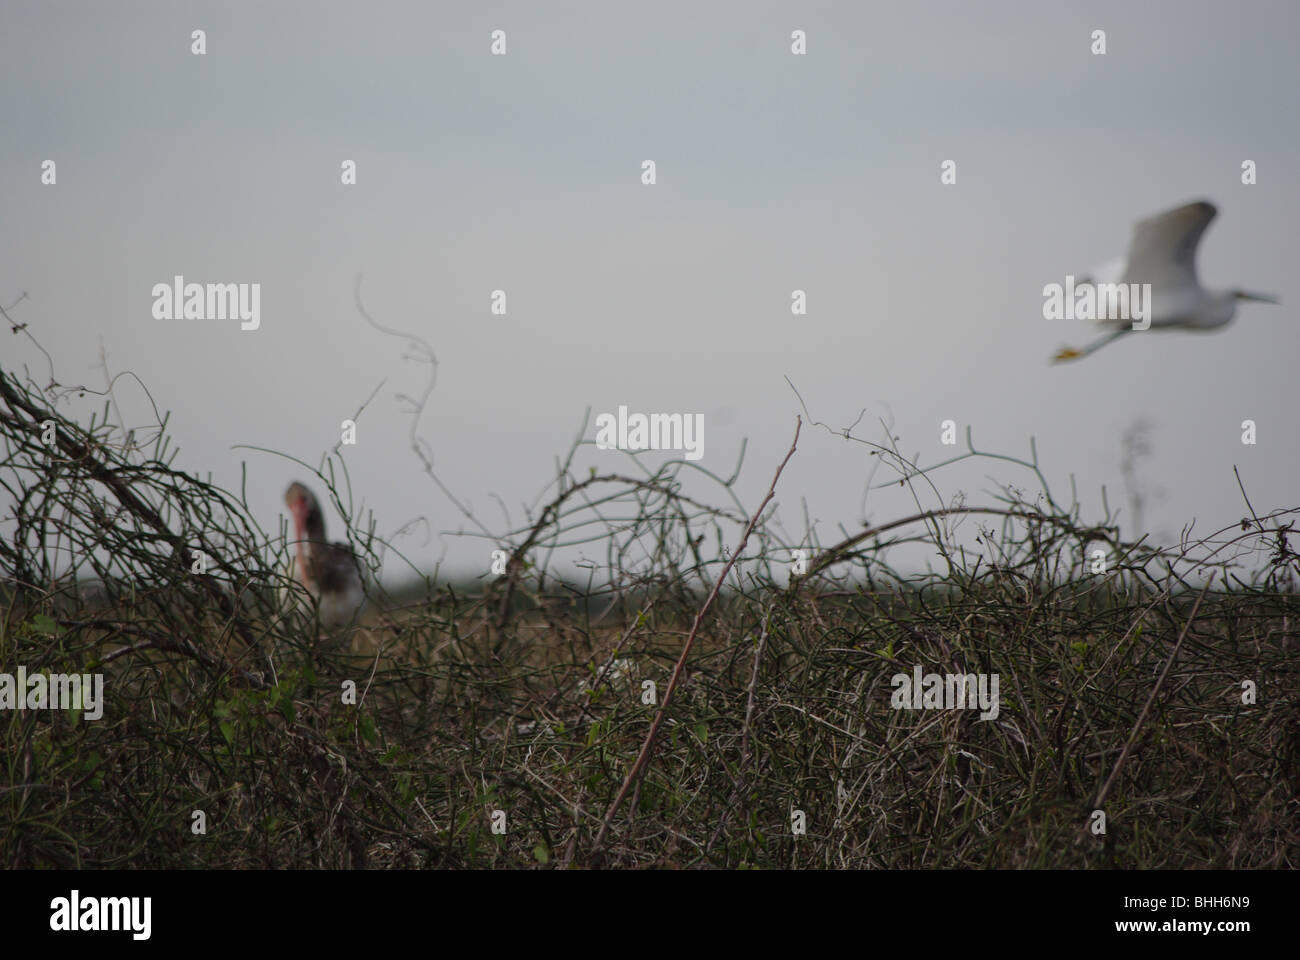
point(523, 703)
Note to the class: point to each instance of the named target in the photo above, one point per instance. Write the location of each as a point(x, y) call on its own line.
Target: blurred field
point(523, 692)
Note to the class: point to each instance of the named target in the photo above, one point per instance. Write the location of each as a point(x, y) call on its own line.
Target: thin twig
point(641, 759)
point(1132, 737)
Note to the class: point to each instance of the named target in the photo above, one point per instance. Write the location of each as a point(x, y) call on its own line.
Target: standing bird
point(328, 571)
point(1163, 254)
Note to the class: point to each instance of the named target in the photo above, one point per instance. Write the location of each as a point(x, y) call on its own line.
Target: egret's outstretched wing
point(1163, 251)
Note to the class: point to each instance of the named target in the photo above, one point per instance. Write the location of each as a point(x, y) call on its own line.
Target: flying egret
point(1163, 254)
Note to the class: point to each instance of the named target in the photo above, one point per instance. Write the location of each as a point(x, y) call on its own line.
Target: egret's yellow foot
point(1066, 353)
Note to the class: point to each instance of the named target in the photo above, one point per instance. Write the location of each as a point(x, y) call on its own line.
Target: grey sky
point(775, 172)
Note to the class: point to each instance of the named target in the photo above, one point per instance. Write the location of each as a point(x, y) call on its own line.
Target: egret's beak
point(1258, 297)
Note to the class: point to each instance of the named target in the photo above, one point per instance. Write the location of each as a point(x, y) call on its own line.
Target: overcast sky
point(775, 172)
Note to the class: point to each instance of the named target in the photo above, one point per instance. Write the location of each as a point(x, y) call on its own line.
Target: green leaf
point(43, 624)
point(227, 731)
point(541, 854)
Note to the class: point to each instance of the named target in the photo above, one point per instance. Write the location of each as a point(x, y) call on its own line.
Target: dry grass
point(526, 696)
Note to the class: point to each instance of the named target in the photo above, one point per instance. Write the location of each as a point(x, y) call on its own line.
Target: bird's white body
point(1187, 309)
point(1162, 254)
point(337, 609)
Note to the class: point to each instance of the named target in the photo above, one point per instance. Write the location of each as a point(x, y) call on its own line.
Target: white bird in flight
point(1163, 254)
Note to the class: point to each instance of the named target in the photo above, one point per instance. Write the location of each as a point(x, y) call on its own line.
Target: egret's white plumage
point(1163, 254)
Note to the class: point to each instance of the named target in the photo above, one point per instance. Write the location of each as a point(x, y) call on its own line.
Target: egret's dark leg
point(1069, 353)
